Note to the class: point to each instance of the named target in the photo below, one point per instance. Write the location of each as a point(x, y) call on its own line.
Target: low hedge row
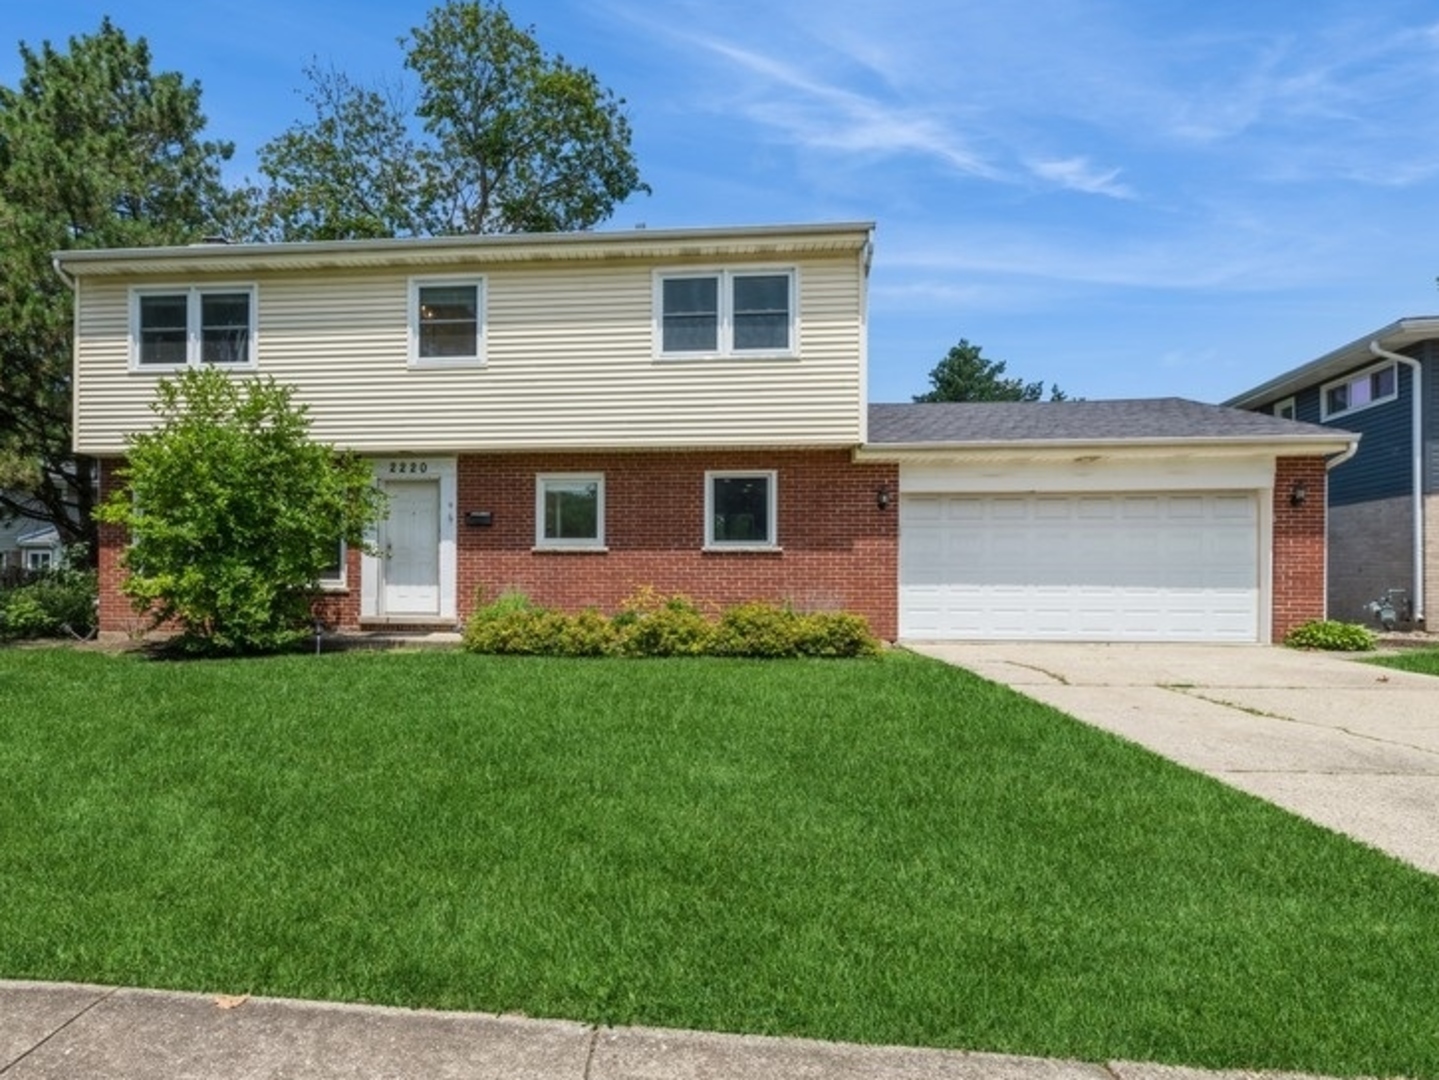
point(650, 624)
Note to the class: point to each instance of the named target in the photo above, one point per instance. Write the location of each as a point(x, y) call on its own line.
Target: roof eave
point(757, 240)
point(1394, 337)
point(1295, 446)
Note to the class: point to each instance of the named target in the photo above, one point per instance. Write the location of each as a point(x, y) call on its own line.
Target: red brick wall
point(839, 551)
point(1298, 544)
point(115, 613)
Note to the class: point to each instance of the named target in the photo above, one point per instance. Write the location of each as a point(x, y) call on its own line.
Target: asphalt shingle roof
point(1136, 420)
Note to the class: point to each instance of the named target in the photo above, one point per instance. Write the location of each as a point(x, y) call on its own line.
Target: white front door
point(410, 549)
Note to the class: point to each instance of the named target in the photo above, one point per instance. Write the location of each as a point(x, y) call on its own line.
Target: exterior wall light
point(1299, 493)
point(882, 497)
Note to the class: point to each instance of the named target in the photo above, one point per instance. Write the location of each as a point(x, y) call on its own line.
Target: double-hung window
point(725, 313)
point(740, 510)
point(1372, 386)
point(570, 510)
point(189, 326)
point(447, 321)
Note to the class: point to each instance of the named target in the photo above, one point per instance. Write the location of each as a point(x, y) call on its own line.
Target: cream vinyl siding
point(569, 362)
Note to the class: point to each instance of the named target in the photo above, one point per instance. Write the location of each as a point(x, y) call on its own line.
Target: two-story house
point(580, 415)
point(1383, 512)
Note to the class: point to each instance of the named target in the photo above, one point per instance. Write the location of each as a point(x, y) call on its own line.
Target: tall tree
point(503, 138)
point(965, 375)
point(96, 150)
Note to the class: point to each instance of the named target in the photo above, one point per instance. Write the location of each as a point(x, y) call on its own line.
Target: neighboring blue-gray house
point(1383, 529)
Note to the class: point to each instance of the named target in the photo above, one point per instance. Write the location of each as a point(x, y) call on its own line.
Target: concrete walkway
point(1343, 743)
point(52, 1031)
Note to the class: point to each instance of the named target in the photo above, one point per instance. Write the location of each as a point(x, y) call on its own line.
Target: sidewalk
point(50, 1030)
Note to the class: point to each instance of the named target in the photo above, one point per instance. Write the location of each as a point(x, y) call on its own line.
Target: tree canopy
point(96, 150)
point(502, 138)
point(965, 375)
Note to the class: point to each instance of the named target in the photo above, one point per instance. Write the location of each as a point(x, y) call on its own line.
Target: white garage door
point(1141, 567)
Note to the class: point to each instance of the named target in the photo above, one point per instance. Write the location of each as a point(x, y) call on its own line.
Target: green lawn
point(886, 851)
point(1423, 661)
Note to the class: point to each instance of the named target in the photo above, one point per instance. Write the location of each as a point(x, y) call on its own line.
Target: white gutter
point(1417, 466)
point(66, 278)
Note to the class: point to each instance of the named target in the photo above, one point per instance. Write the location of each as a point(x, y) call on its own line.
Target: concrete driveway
point(1348, 745)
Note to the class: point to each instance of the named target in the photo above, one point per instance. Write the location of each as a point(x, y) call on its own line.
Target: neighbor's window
point(740, 509)
point(446, 321)
point(726, 313)
point(1373, 386)
point(570, 510)
point(172, 328)
point(39, 560)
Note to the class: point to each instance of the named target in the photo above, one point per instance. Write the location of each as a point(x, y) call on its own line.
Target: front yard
point(885, 851)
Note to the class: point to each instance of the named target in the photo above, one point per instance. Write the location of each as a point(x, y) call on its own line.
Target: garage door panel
point(1080, 567)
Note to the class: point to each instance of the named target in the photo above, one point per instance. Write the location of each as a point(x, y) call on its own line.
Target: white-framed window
point(741, 509)
point(570, 510)
point(1372, 386)
point(1285, 409)
point(178, 326)
point(39, 559)
point(332, 575)
point(747, 312)
point(447, 321)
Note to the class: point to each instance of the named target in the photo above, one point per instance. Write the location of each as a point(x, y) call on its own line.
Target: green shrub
point(59, 602)
point(836, 633)
point(650, 623)
point(759, 629)
point(1331, 635)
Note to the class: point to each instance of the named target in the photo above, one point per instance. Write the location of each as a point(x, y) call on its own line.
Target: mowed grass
point(886, 851)
point(1420, 661)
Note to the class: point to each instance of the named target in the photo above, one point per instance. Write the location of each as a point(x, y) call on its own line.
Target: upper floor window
point(1285, 409)
point(726, 313)
point(1372, 386)
point(175, 327)
point(447, 324)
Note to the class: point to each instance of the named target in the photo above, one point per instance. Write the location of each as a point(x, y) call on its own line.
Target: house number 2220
point(407, 467)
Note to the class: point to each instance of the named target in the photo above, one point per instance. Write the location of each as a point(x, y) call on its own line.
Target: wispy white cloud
point(1078, 174)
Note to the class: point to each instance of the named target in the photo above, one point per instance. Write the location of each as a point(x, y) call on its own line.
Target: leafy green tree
point(965, 375)
point(509, 139)
point(96, 150)
point(233, 512)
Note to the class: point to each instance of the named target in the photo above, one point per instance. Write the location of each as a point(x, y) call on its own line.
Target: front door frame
point(398, 469)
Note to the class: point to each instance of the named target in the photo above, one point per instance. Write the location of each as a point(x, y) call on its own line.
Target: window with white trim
point(447, 321)
point(1285, 409)
point(741, 509)
point(725, 313)
point(332, 575)
point(1372, 386)
point(40, 559)
point(175, 327)
point(570, 510)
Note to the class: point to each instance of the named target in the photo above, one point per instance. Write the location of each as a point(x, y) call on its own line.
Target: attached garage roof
point(1147, 421)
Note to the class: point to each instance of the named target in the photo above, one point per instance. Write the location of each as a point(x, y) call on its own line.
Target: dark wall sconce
point(882, 497)
point(479, 517)
point(1299, 493)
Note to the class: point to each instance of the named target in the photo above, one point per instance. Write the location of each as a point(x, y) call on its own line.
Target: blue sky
point(1130, 199)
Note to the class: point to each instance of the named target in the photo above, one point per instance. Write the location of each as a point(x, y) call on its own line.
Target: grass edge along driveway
point(889, 851)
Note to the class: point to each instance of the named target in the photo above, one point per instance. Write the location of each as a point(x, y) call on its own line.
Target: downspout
point(66, 278)
point(1417, 467)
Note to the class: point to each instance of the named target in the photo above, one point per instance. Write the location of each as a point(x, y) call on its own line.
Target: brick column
point(1299, 567)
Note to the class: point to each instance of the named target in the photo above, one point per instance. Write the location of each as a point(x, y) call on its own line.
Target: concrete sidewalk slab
point(102, 1033)
point(156, 1035)
point(1345, 744)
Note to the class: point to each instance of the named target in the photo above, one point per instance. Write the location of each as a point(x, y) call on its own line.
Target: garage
point(1092, 566)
